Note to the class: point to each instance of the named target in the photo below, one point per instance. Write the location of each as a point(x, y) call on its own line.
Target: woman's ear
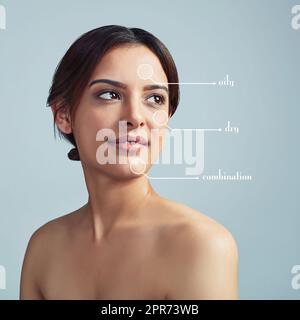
point(63, 119)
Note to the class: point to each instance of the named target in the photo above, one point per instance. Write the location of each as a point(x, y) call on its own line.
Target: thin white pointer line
point(195, 129)
point(181, 178)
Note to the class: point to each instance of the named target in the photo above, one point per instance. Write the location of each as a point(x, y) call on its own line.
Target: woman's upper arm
point(30, 275)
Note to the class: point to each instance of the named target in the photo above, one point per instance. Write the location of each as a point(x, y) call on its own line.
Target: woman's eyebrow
point(156, 86)
point(112, 82)
point(124, 86)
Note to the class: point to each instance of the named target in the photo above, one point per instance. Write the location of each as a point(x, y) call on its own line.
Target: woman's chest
point(129, 270)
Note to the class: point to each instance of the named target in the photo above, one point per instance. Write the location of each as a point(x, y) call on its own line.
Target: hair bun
point(73, 154)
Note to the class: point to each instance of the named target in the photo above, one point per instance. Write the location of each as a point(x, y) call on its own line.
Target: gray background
point(252, 41)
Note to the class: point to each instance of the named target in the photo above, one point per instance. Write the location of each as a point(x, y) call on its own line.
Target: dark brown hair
point(77, 65)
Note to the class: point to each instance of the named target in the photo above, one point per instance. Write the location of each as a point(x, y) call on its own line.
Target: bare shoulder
point(194, 230)
point(188, 220)
point(202, 256)
point(41, 246)
point(51, 232)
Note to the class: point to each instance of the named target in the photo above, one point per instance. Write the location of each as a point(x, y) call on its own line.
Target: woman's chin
point(135, 167)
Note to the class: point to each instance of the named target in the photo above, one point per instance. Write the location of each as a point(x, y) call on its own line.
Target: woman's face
point(134, 102)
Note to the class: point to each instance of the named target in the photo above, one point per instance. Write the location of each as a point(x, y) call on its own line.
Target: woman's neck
point(113, 203)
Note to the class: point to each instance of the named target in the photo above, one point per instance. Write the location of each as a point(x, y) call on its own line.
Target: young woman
point(126, 242)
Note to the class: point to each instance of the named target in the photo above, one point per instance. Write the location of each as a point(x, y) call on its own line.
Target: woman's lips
point(130, 142)
point(129, 146)
point(133, 138)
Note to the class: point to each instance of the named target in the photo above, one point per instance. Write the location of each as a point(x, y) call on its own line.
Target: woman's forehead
point(123, 64)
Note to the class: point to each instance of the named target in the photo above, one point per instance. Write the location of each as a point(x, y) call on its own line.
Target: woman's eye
point(108, 95)
point(157, 99)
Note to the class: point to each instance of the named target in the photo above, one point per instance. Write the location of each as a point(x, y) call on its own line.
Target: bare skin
point(160, 257)
point(126, 242)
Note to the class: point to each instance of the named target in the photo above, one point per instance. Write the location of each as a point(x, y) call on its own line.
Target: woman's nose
point(133, 113)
